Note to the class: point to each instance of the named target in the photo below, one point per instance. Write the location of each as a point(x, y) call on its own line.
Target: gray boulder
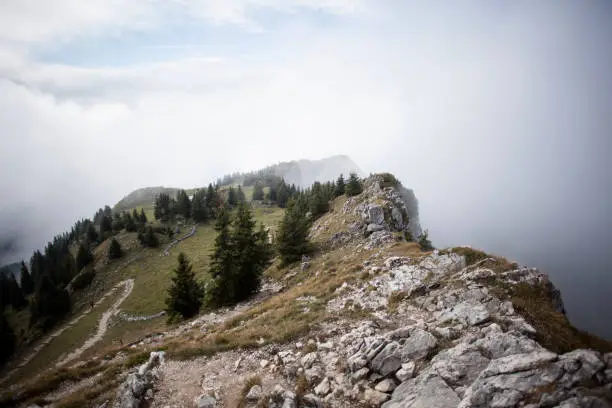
point(418, 345)
point(423, 392)
point(205, 401)
point(376, 214)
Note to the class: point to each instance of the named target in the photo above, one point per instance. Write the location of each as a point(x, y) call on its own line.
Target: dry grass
point(554, 330)
point(281, 318)
point(395, 299)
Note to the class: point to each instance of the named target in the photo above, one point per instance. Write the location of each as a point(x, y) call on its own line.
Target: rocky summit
point(372, 320)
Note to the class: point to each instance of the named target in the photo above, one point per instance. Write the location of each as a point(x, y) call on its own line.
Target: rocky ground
point(427, 330)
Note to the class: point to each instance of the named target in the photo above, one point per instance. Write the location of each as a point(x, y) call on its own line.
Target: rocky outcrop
point(134, 388)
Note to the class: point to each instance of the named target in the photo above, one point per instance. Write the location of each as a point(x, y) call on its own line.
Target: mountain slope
point(143, 197)
point(370, 320)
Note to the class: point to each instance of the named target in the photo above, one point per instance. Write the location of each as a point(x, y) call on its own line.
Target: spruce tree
point(271, 195)
point(114, 250)
point(136, 217)
point(7, 338)
point(222, 287)
point(258, 193)
point(27, 283)
point(232, 197)
point(199, 210)
point(143, 217)
point(106, 226)
point(183, 204)
point(92, 235)
point(340, 187)
point(130, 225)
point(249, 262)
point(292, 238)
point(353, 187)
point(240, 194)
point(148, 238)
point(186, 294)
point(49, 305)
point(425, 242)
point(84, 257)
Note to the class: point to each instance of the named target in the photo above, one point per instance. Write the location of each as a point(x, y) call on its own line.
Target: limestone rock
point(312, 401)
point(418, 345)
point(374, 227)
point(388, 360)
point(254, 393)
point(309, 359)
point(374, 397)
point(406, 372)
point(205, 401)
point(323, 388)
point(468, 312)
point(426, 392)
point(376, 214)
point(386, 385)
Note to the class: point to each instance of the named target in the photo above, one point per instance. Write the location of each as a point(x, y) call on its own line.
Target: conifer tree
point(106, 226)
point(143, 217)
point(183, 204)
point(240, 194)
point(258, 193)
point(292, 238)
point(199, 210)
point(27, 283)
point(130, 225)
point(50, 304)
point(92, 235)
point(353, 187)
point(186, 294)
point(425, 242)
point(11, 293)
point(222, 289)
point(114, 250)
point(282, 194)
point(250, 260)
point(148, 238)
point(232, 198)
point(339, 190)
point(135, 216)
point(7, 338)
point(84, 257)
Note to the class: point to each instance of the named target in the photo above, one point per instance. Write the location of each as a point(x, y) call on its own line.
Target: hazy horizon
point(497, 114)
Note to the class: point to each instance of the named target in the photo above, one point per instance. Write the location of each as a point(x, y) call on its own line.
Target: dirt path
point(102, 324)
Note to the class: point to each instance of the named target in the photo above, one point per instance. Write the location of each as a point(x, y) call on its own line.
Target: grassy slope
point(69, 340)
point(152, 278)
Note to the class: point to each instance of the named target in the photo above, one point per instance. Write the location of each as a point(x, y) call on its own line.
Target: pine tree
point(92, 235)
point(340, 187)
point(318, 200)
point(186, 294)
point(148, 238)
point(49, 305)
point(114, 250)
point(130, 225)
point(106, 226)
point(240, 195)
point(232, 197)
point(222, 289)
point(84, 257)
point(11, 293)
point(353, 187)
point(258, 193)
point(248, 265)
point(183, 204)
point(271, 195)
point(27, 283)
point(136, 217)
point(292, 238)
point(143, 217)
point(7, 338)
point(118, 223)
point(425, 242)
point(199, 210)
point(282, 194)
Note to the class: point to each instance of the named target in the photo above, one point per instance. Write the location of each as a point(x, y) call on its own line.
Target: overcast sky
point(498, 114)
